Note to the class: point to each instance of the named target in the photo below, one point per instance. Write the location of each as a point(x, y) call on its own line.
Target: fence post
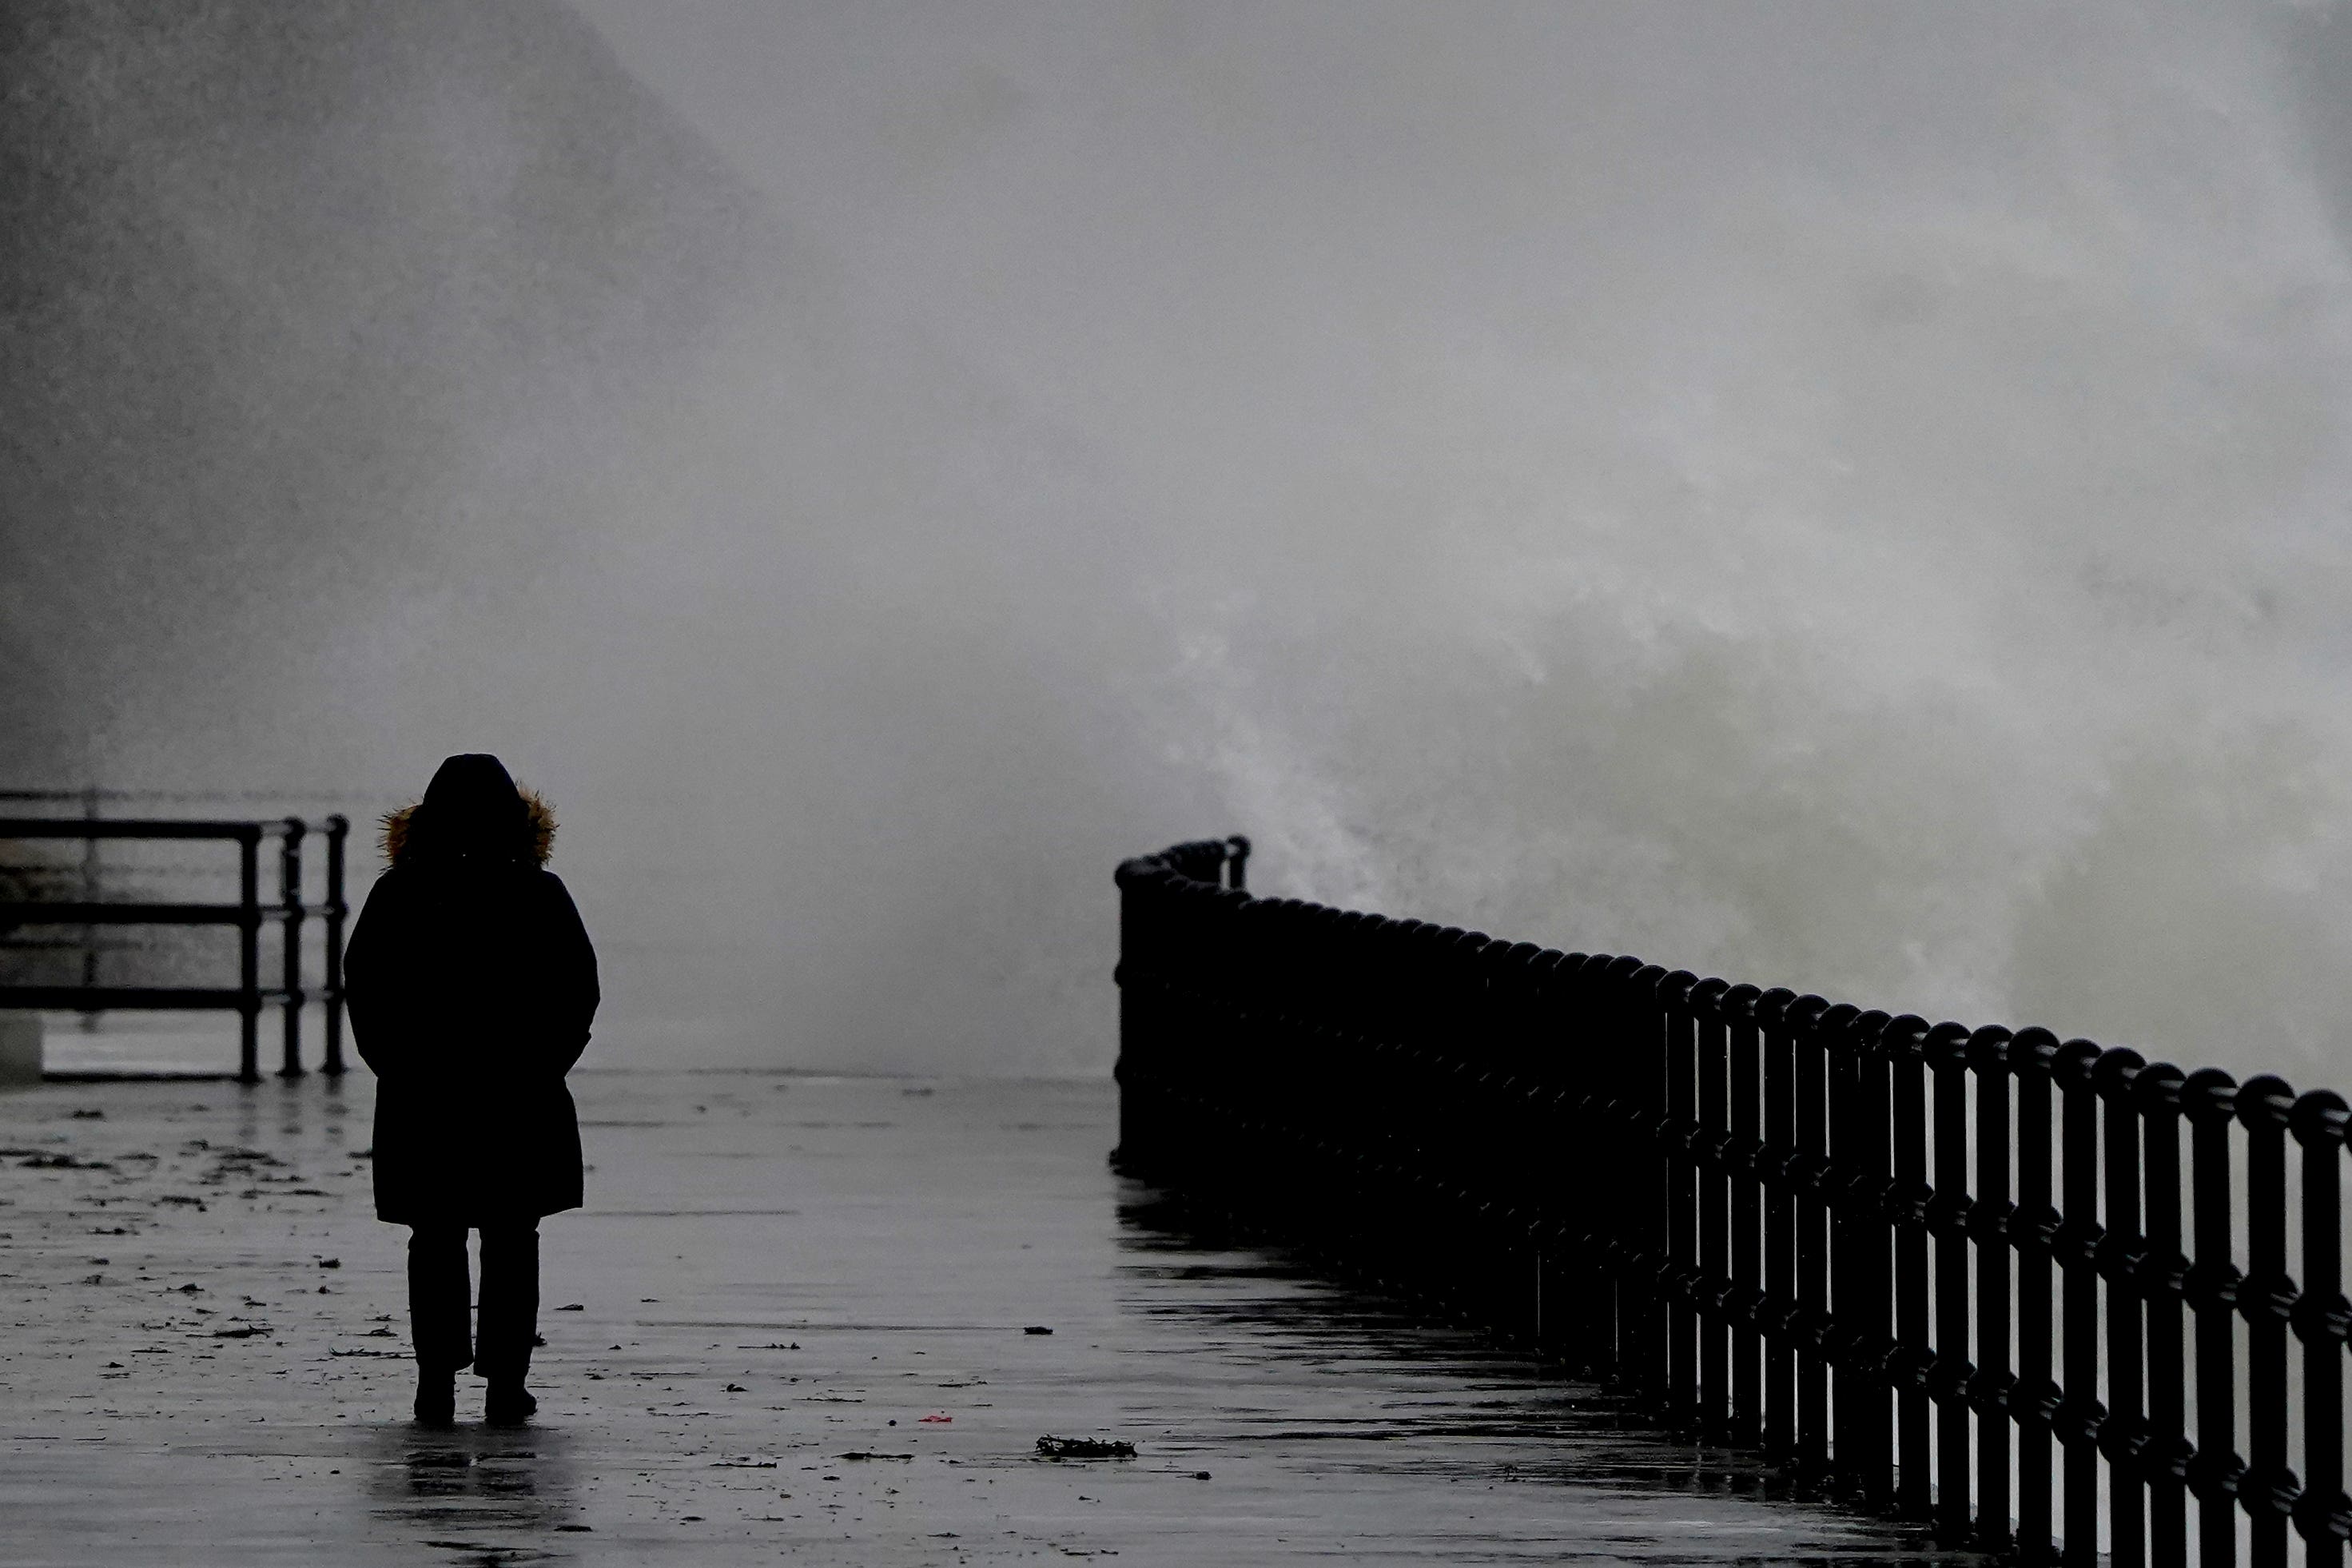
point(1652, 1267)
point(1709, 1150)
point(339, 829)
point(1811, 1184)
point(1744, 1295)
point(1630, 1141)
point(1844, 1186)
point(1603, 1146)
point(1778, 1318)
point(2322, 1318)
point(1137, 1016)
point(1904, 1052)
point(2209, 1100)
point(1547, 1098)
point(89, 892)
point(1950, 1368)
point(1990, 1220)
point(2080, 1414)
point(2164, 1457)
point(2267, 1297)
point(1678, 1132)
point(290, 893)
point(2034, 1400)
point(2119, 1252)
point(248, 1005)
point(1875, 1345)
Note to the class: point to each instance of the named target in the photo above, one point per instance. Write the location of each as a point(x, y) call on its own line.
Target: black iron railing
point(248, 913)
point(2036, 1293)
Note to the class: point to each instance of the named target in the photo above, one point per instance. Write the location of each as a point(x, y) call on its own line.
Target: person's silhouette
point(471, 986)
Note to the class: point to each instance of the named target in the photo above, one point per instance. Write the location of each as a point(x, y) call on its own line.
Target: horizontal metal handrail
point(124, 912)
point(158, 998)
point(133, 828)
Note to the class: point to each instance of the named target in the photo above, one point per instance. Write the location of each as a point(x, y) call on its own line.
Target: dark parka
point(471, 986)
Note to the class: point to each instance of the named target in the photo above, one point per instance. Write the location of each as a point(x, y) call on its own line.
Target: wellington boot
point(436, 1401)
point(508, 1406)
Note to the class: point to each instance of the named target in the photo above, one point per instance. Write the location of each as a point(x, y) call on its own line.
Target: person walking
point(471, 985)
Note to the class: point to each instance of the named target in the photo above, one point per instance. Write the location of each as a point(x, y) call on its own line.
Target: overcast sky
point(1837, 495)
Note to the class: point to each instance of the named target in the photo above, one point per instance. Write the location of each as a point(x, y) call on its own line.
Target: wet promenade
point(800, 1319)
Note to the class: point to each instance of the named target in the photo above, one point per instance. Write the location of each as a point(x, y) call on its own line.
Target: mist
point(1836, 495)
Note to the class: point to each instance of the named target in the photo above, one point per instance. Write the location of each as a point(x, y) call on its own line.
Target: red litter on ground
point(935, 1417)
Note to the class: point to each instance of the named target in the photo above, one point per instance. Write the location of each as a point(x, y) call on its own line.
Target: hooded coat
point(471, 986)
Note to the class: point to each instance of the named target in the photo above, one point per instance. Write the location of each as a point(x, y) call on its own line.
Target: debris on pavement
point(1053, 1447)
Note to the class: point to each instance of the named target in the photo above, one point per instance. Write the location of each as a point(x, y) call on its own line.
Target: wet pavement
point(824, 1319)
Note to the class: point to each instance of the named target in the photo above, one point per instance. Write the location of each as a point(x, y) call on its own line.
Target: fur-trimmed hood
point(539, 824)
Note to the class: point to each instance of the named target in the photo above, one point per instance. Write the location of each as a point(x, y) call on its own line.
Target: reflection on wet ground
point(473, 1480)
point(802, 1318)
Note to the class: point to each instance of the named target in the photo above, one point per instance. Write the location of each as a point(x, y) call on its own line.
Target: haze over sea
point(1839, 495)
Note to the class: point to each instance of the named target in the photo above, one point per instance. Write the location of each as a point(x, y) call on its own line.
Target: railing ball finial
point(2209, 1095)
point(1946, 1045)
point(2070, 1068)
point(2264, 1102)
point(1988, 1049)
point(2317, 1120)
point(2112, 1074)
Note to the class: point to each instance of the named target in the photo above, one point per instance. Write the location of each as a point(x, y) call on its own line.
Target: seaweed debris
point(1053, 1447)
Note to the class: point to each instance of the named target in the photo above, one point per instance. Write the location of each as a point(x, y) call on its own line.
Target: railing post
point(1777, 1317)
point(2323, 1316)
point(1744, 1296)
point(1907, 1210)
point(1651, 1265)
point(1989, 1222)
point(289, 897)
point(2164, 1457)
point(2080, 1414)
point(1874, 1340)
point(2033, 1399)
point(1627, 1141)
point(2209, 1100)
point(1601, 1141)
point(2120, 1251)
point(1710, 1148)
point(2267, 1298)
point(1950, 1368)
point(248, 1007)
point(89, 893)
point(339, 829)
point(1678, 1134)
point(1545, 1096)
point(1844, 1186)
point(1142, 1008)
point(1565, 1274)
point(1812, 1181)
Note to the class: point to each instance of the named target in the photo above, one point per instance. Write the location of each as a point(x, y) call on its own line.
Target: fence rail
point(2034, 1292)
point(248, 913)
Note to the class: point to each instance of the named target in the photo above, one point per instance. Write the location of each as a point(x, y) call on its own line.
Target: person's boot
point(436, 1399)
point(509, 1404)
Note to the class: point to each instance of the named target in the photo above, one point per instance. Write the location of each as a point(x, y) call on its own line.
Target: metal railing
point(247, 915)
point(2033, 1292)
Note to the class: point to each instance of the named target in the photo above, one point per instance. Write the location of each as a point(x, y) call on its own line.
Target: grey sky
point(1848, 495)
